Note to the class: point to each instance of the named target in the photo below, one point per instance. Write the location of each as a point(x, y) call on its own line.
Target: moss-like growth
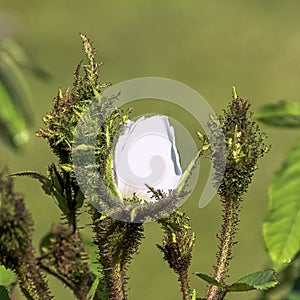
point(64, 256)
point(244, 145)
point(177, 247)
point(17, 252)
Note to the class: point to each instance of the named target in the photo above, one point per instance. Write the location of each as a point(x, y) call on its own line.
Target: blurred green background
point(208, 45)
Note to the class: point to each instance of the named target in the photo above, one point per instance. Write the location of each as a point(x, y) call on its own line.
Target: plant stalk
point(31, 280)
point(184, 284)
point(226, 238)
point(117, 278)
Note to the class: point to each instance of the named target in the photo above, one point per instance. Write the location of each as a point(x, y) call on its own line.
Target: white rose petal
point(146, 154)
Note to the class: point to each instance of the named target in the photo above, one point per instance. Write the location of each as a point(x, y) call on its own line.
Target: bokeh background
point(209, 45)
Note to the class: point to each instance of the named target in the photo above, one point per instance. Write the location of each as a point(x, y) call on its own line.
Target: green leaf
point(240, 287)
point(261, 280)
point(7, 277)
point(281, 227)
point(93, 289)
point(15, 113)
point(209, 280)
point(282, 114)
point(15, 83)
point(13, 126)
point(21, 57)
point(3, 293)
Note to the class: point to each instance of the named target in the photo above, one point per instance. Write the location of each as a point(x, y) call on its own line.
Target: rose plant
point(138, 173)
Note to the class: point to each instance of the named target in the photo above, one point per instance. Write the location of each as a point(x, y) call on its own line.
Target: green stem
point(228, 231)
point(184, 284)
point(72, 216)
point(114, 270)
point(116, 279)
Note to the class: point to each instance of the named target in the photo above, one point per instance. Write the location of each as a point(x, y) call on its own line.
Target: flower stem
point(117, 242)
point(117, 279)
point(228, 230)
point(184, 284)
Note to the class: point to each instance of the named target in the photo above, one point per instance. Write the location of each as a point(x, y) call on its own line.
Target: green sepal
point(109, 178)
point(187, 173)
point(67, 167)
point(79, 199)
point(44, 180)
point(52, 188)
point(203, 138)
point(54, 185)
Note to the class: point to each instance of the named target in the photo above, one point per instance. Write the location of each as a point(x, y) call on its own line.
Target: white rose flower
point(146, 154)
